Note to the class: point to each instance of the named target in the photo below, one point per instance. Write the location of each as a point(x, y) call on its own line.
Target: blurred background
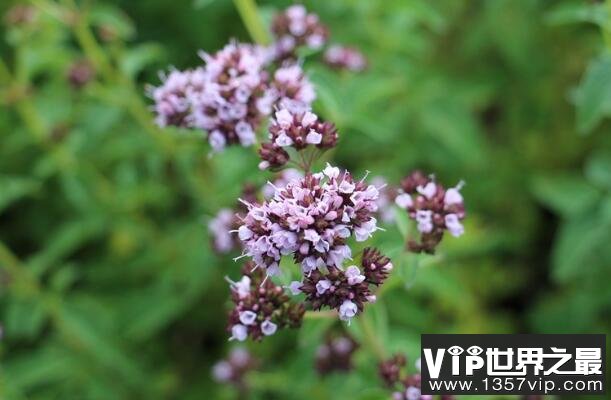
point(109, 288)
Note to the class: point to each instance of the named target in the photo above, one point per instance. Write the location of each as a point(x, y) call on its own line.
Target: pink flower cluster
point(174, 99)
point(231, 95)
point(223, 225)
point(290, 88)
point(335, 354)
point(342, 57)
point(386, 200)
point(229, 108)
point(295, 27)
point(233, 369)
point(434, 208)
point(297, 130)
point(220, 229)
point(310, 219)
point(282, 179)
point(260, 307)
point(404, 386)
point(346, 291)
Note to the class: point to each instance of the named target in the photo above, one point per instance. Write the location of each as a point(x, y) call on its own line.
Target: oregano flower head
point(175, 97)
point(294, 28)
point(346, 290)
point(310, 219)
point(260, 306)
point(348, 58)
point(434, 208)
point(297, 130)
point(229, 106)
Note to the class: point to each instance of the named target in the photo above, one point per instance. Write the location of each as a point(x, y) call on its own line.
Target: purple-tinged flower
point(268, 328)
point(335, 354)
point(282, 179)
point(239, 332)
point(348, 310)
point(412, 393)
point(233, 369)
point(272, 156)
point(434, 209)
point(222, 371)
point(453, 224)
point(386, 200)
point(220, 227)
point(229, 106)
point(376, 266)
point(260, 307)
point(322, 286)
point(80, 74)
point(175, 98)
point(227, 221)
point(294, 28)
point(347, 291)
point(295, 288)
point(290, 88)
point(406, 387)
point(248, 317)
point(390, 370)
point(310, 219)
point(341, 57)
point(404, 200)
point(297, 130)
point(353, 273)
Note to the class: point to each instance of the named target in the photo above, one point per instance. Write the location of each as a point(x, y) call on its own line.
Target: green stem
point(320, 314)
point(24, 106)
point(370, 337)
point(95, 54)
point(606, 28)
point(252, 21)
point(5, 74)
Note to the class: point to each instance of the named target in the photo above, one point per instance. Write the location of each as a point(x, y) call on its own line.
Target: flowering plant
point(309, 218)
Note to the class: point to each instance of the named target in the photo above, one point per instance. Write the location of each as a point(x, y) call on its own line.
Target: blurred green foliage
point(109, 288)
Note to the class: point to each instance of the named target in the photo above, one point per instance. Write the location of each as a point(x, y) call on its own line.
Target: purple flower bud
point(322, 286)
point(222, 371)
point(454, 226)
point(412, 393)
point(345, 58)
point(428, 190)
point(295, 287)
point(268, 328)
point(354, 275)
point(239, 332)
point(434, 209)
point(404, 200)
point(347, 310)
point(248, 317)
point(295, 27)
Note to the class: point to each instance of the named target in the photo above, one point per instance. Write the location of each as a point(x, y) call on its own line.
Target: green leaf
point(455, 128)
point(582, 248)
point(594, 94)
point(598, 170)
point(403, 222)
point(139, 57)
point(577, 12)
point(65, 240)
point(565, 194)
point(202, 3)
point(114, 18)
point(80, 331)
point(14, 188)
point(40, 366)
point(24, 318)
